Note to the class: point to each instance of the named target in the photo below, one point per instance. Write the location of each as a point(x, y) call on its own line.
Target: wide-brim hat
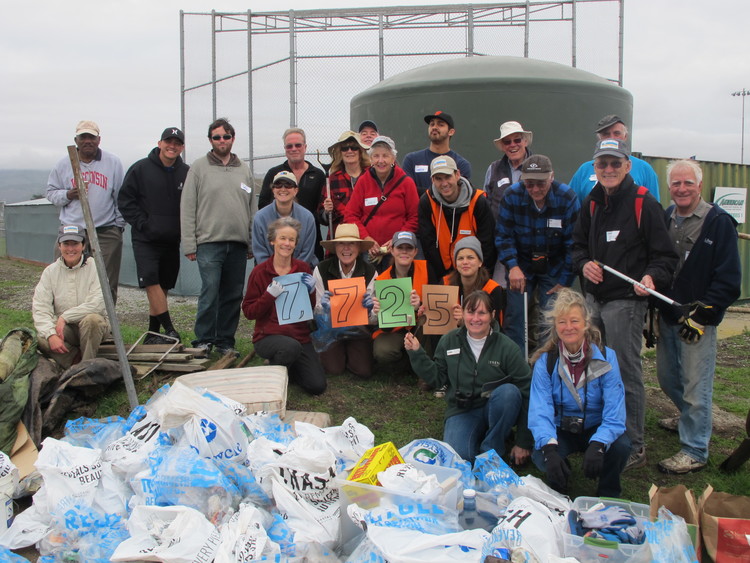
point(347, 232)
point(345, 136)
point(509, 128)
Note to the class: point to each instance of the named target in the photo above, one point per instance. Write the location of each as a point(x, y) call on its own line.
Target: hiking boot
point(173, 334)
point(440, 393)
point(156, 339)
point(204, 347)
point(636, 459)
point(670, 423)
point(680, 463)
point(222, 351)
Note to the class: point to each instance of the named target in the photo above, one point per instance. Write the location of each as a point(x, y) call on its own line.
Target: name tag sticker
point(503, 182)
point(464, 232)
point(371, 201)
point(612, 236)
point(246, 188)
point(421, 168)
point(453, 352)
point(592, 178)
point(554, 223)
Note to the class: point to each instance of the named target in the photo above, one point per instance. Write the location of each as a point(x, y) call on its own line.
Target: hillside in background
point(21, 185)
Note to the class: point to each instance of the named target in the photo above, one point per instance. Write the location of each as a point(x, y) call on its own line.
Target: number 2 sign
point(395, 308)
point(438, 302)
point(293, 305)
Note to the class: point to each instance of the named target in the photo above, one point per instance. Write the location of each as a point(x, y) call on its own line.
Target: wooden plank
point(150, 357)
point(142, 348)
point(186, 367)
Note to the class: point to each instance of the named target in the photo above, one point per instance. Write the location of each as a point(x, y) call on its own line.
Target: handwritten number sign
point(293, 305)
point(346, 302)
point(438, 302)
point(395, 309)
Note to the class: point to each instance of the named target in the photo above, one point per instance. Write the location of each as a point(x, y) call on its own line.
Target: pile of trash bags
point(192, 477)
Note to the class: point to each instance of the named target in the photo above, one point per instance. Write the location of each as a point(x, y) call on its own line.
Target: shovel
point(739, 456)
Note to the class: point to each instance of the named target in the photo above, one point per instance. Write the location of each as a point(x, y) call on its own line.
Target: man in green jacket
point(487, 383)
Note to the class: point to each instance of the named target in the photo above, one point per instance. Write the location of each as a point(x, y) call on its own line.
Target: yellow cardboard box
point(373, 461)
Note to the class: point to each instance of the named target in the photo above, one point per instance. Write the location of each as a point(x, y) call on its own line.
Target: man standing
point(310, 180)
point(514, 143)
point(150, 201)
point(215, 215)
point(367, 132)
point(709, 279)
point(68, 306)
point(440, 129)
point(621, 225)
point(102, 172)
point(449, 211)
point(534, 240)
point(612, 127)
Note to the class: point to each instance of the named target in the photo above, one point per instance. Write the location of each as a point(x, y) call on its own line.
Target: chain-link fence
point(272, 70)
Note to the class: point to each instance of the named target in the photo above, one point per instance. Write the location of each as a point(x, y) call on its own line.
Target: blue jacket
point(417, 166)
point(584, 179)
point(523, 230)
point(305, 250)
point(712, 273)
point(603, 396)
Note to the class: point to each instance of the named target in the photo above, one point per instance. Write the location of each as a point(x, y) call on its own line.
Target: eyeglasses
point(293, 146)
point(516, 141)
point(220, 137)
point(531, 184)
point(279, 185)
point(614, 164)
point(347, 148)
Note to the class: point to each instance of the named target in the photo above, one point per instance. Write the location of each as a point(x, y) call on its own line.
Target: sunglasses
point(614, 164)
point(516, 141)
point(280, 185)
point(293, 146)
point(220, 137)
point(347, 148)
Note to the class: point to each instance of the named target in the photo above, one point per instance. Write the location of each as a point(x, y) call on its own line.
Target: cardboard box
point(372, 462)
point(24, 452)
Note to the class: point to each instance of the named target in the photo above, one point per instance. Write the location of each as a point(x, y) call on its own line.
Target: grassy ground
point(395, 410)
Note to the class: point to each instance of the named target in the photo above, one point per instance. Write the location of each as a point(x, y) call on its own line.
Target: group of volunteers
point(515, 245)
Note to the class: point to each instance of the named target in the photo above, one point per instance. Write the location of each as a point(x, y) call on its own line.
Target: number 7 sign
point(293, 305)
point(346, 302)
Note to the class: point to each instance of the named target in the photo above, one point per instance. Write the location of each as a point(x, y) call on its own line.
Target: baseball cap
point(536, 167)
point(608, 121)
point(440, 115)
point(366, 123)
point(443, 164)
point(404, 237)
point(89, 127)
point(173, 133)
point(612, 147)
point(383, 139)
point(70, 232)
point(286, 176)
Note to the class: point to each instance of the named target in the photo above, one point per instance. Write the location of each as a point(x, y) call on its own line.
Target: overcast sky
point(117, 61)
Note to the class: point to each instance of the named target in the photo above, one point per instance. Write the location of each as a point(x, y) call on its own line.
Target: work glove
point(275, 289)
point(557, 469)
point(593, 459)
point(634, 535)
point(367, 302)
point(606, 517)
point(325, 300)
point(309, 281)
point(694, 325)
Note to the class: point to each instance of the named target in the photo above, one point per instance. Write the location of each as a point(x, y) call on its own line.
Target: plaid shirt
point(341, 190)
point(522, 229)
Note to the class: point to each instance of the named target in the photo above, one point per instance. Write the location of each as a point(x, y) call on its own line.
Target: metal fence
point(273, 70)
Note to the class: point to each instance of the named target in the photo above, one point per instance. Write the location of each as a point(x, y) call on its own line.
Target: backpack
point(638, 204)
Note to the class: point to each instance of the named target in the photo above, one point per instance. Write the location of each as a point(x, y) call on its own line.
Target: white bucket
point(7, 486)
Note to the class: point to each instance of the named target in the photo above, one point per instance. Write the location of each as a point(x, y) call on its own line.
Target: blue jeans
point(621, 323)
point(615, 458)
point(222, 270)
point(485, 428)
point(686, 375)
point(513, 324)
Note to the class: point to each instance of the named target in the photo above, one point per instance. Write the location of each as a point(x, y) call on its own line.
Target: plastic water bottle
point(470, 518)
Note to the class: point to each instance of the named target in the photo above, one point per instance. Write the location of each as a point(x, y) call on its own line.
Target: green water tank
point(559, 104)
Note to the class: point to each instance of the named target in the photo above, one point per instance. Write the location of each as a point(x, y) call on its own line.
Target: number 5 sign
point(293, 305)
point(438, 302)
point(395, 308)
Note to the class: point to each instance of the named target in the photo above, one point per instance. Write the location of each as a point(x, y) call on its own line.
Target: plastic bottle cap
point(470, 493)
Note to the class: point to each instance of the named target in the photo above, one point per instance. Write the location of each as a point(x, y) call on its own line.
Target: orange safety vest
point(467, 226)
point(418, 279)
point(488, 288)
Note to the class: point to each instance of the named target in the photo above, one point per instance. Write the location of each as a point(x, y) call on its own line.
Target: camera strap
point(562, 372)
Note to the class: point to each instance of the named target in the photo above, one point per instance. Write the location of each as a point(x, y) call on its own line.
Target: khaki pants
point(81, 339)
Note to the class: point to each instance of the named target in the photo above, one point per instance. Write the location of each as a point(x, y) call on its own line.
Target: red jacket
point(397, 213)
point(259, 305)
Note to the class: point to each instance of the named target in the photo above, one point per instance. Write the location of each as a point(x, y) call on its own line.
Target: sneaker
point(440, 393)
point(680, 463)
point(204, 347)
point(636, 459)
point(173, 334)
point(155, 339)
point(228, 350)
point(670, 423)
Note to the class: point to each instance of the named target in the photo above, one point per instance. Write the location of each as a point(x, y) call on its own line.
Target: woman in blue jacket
point(577, 400)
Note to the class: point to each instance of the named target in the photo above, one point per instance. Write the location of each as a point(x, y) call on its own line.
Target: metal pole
point(182, 76)
point(621, 46)
point(573, 35)
point(742, 93)
point(250, 147)
point(292, 72)
point(526, 32)
point(381, 48)
point(470, 32)
point(526, 324)
point(213, 63)
point(109, 302)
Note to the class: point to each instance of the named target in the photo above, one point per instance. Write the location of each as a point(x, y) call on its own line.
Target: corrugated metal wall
point(714, 174)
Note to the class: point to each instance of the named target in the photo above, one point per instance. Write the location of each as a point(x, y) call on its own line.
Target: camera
point(539, 263)
point(464, 400)
point(572, 424)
